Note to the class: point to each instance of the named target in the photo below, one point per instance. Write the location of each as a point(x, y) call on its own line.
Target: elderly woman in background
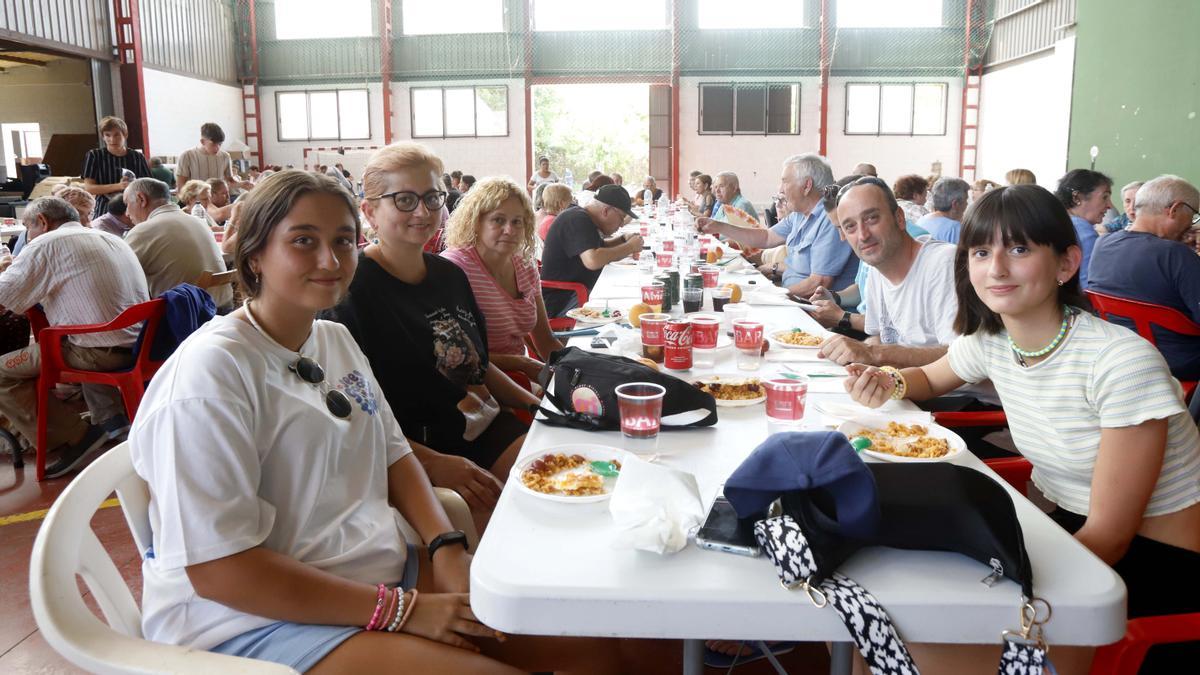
point(981, 187)
point(1087, 195)
point(198, 192)
point(1128, 194)
point(556, 198)
point(80, 198)
point(912, 191)
point(491, 238)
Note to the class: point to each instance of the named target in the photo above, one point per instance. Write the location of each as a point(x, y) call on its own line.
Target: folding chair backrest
point(1143, 315)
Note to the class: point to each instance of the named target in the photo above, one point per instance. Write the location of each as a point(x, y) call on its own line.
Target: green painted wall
point(1137, 89)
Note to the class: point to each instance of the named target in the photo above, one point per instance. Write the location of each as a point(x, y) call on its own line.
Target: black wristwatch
point(453, 537)
point(844, 323)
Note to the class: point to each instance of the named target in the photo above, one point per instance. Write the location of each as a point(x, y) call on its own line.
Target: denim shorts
point(298, 645)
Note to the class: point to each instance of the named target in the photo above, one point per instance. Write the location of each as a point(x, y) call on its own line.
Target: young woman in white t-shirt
point(1090, 404)
point(276, 470)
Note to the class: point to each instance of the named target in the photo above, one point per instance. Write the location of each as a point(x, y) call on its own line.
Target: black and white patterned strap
point(867, 621)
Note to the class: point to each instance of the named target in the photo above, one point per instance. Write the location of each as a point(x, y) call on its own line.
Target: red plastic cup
point(706, 330)
point(652, 294)
point(786, 399)
point(640, 407)
point(652, 328)
point(668, 245)
point(710, 273)
point(666, 259)
point(747, 334)
point(645, 230)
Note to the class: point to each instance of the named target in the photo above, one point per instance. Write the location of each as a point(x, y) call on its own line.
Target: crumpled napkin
point(736, 264)
point(654, 507)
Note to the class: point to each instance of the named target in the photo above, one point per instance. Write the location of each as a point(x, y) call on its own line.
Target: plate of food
point(795, 338)
point(733, 391)
point(624, 262)
point(596, 315)
point(739, 217)
point(571, 474)
point(897, 442)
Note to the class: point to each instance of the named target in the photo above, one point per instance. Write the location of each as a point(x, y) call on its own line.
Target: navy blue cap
point(808, 460)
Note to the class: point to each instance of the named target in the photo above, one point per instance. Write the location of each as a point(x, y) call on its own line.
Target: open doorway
point(589, 127)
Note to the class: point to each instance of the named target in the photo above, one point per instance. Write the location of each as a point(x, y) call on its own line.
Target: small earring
point(1061, 282)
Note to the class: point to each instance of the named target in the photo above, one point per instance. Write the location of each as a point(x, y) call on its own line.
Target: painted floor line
point(41, 513)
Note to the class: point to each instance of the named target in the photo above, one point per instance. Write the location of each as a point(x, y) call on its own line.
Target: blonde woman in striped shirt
point(491, 237)
point(1090, 404)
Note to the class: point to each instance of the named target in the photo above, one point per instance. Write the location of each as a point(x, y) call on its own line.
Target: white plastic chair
point(66, 546)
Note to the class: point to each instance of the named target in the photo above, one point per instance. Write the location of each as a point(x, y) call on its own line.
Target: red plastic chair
point(581, 292)
point(525, 383)
point(976, 418)
point(131, 382)
point(1144, 315)
point(1125, 657)
point(1015, 471)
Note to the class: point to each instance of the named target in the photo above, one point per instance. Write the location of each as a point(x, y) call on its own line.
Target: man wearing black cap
point(581, 243)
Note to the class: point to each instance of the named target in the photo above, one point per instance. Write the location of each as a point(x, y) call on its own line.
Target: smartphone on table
point(724, 531)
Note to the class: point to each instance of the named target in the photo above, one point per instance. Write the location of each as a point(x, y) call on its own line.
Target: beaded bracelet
point(378, 607)
point(412, 602)
point(899, 384)
point(391, 606)
point(395, 624)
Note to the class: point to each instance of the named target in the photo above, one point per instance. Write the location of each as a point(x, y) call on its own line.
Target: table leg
point(841, 658)
point(693, 657)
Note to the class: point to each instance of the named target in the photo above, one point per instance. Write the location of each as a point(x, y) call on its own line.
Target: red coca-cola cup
point(652, 295)
point(653, 326)
point(640, 407)
point(710, 273)
point(677, 344)
point(706, 330)
point(665, 259)
point(786, 399)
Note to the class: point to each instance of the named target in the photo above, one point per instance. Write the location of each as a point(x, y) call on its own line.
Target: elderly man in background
point(865, 169)
point(816, 255)
point(173, 247)
point(728, 191)
point(219, 202)
point(1127, 202)
point(116, 221)
point(949, 200)
point(1148, 261)
point(78, 275)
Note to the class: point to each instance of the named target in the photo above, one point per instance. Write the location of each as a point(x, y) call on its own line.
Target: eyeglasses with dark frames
point(1195, 213)
point(311, 372)
point(407, 201)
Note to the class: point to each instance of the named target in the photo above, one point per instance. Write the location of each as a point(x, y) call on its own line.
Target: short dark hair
point(456, 174)
point(1020, 214)
point(468, 179)
point(212, 131)
point(909, 186)
point(447, 181)
point(697, 174)
point(1081, 181)
point(543, 158)
point(117, 206)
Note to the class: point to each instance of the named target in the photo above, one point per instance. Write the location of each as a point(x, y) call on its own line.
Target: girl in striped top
point(1090, 404)
point(491, 237)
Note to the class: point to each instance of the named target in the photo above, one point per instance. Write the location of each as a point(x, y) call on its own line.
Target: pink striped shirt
point(508, 319)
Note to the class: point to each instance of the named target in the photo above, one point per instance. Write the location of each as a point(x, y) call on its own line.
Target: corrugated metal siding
point(75, 26)
point(197, 38)
point(1024, 27)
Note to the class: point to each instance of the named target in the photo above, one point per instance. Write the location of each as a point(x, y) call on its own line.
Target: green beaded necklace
point(1062, 332)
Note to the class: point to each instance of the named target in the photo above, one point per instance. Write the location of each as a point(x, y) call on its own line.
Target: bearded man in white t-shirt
point(910, 293)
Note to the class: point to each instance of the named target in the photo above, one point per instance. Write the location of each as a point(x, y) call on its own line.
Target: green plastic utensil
point(860, 443)
point(606, 469)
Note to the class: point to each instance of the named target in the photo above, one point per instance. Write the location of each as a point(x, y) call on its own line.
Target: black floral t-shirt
point(426, 343)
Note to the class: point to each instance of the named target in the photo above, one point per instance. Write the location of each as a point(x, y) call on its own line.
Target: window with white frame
point(721, 15)
point(765, 108)
point(335, 114)
point(569, 15)
point(429, 17)
point(889, 13)
point(896, 108)
point(320, 19)
point(447, 112)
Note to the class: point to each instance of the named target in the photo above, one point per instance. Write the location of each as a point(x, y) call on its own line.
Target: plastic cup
point(653, 339)
point(720, 298)
point(665, 259)
point(693, 298)
point(668, 245)
point(711, 273)
point(748, 339)
point(652, 294)
point(706, 331)
point(735, 311)
point(786, 399)
point(640, 408)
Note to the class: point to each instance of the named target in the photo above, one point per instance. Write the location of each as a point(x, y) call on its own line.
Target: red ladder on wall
point(251, 109)
point(968, 135)
point(133, 81)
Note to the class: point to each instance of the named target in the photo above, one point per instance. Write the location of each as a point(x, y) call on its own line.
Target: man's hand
point(5, 261)
point(478, 487)
point(843, 350)
point(827, 313)
point(708, 225)
point(633, 243)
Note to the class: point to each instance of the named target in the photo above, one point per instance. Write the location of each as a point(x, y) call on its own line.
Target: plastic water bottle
point(199, 212)
point(663, 204)
point(128, 175)
point(569, 179)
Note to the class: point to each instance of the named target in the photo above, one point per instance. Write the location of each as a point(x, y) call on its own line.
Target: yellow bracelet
point(900, 385)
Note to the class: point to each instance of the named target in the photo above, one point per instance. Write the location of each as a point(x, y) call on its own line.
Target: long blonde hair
point(485, 197)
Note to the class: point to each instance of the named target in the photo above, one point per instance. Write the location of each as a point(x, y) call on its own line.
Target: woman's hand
point(452, 570)
point(868, 385)
point(477, 486)
point(447, 618)
point(532, 368)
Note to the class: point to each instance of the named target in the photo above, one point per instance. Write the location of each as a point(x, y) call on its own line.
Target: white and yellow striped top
point(1103, 375)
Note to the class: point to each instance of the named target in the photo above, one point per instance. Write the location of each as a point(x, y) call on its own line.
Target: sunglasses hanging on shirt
point(311, 372)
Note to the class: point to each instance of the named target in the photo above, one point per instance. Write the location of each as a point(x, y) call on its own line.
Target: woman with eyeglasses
point(277, 474)
point(1090, 404)
point(416, 318)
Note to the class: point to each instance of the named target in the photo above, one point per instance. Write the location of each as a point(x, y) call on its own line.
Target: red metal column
point(133, 80)
point(675, 93)
point(385, 66)
point(826, 49)
point(527, 37)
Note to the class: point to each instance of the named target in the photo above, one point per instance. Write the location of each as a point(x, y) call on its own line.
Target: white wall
point(893, 156)
point(479, 157)
point(176, 107)
point(58, 98)
point(292, 152)
point(1026, 116)
point(757, 160)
